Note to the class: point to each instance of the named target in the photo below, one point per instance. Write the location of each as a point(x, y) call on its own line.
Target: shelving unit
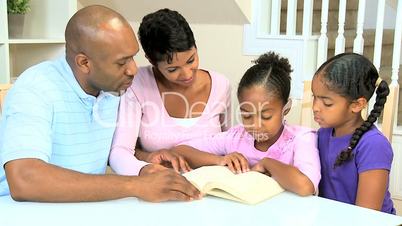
point(42, 36)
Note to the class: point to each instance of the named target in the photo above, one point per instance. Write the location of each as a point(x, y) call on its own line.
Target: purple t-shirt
point(372, 152)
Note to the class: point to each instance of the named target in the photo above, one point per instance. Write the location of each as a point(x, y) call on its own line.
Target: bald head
point(91, 25)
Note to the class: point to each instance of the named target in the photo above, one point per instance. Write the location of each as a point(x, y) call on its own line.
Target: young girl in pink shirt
point(264, 141)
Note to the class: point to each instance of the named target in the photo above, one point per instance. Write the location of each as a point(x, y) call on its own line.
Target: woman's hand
point(151, 168)
point(236, 162)
point(169, 159)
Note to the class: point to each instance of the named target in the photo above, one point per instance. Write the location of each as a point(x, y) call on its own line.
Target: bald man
point(59, 118)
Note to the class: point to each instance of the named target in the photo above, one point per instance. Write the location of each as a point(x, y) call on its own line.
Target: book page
point(206, 174)
point(250, 187)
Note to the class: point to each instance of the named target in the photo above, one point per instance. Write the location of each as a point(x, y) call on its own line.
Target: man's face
point(113, 66)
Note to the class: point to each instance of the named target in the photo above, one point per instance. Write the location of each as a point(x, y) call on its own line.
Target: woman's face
point(182, 70)
point(262, 114)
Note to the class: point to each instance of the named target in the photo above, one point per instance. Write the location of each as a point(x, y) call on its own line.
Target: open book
point(250, 187)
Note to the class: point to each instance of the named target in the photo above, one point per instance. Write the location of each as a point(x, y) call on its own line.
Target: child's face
point(261, 113)
point(330, 109)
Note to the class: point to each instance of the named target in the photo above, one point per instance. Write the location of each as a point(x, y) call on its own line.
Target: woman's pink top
point(143, 118)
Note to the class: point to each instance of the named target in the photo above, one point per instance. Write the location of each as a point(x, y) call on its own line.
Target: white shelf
point(36, 41)
point(41, 38)
point(4, 63)
point(3, 21)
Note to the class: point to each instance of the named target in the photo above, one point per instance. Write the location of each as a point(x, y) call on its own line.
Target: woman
point(172, 100)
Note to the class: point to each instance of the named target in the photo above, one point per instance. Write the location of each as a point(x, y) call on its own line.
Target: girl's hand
point(259, 167)
point(236, 162)
point(169, 159)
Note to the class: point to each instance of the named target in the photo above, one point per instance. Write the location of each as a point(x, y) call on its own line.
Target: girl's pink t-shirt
point(297, 146)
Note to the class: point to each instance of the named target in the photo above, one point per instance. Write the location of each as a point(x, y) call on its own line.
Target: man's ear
point(358, 105)
point(83, 63)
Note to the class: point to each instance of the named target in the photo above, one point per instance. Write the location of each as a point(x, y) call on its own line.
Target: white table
point(285, 209)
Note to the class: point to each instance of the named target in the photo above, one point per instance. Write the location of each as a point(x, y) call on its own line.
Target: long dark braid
point(353, 76)
point(382, 93)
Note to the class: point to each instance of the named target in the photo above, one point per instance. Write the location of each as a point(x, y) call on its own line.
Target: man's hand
point(166, 185)
point(169, 159)
point(236, 162)
point(36, 180)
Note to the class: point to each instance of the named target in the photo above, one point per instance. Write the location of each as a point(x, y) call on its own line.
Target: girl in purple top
point(287, 153)
point(355, 156)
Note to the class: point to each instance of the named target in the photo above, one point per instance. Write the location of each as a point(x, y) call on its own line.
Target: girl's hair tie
point(377, 83)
